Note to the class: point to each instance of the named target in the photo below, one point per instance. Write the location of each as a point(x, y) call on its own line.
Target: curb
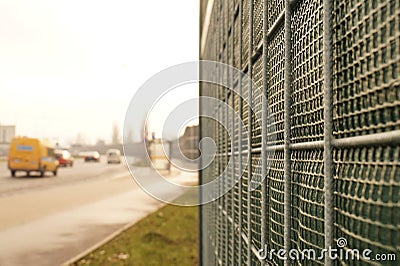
point(106, 239)
point(111, 236)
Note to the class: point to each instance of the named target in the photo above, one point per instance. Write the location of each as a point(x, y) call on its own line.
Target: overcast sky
point(72, 66)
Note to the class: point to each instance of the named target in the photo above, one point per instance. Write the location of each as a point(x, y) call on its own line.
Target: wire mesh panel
point(244, 250)
point(308, 202)
point(213, 232)
point(245, 114)
point(245, 32)
point(276, 51)
point(258, 22)
point(307, 114)
point(257, 93)
point(236, 41)
point(218, 35)
point(221, 236)
point(236, 131)
point(230, 57)
point(256, 199)
point(367, 67)
point(276, 188)
point(229, 179)
point(226, 19)
point(254, 260)
point(367, 199)
point(237, 212)
point(237, 192)
point(275, 9)
point(245, 200)
point(334, 118)
point(207, 238)
point(367, 101)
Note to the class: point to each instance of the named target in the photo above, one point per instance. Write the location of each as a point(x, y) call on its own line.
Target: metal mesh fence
point(307, 230)
point(276, 55)
point(329, 145)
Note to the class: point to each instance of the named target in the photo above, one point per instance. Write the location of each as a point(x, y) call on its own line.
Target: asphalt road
point(80, 172)
point(49, 220)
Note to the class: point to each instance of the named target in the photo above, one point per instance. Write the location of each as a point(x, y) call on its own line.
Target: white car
point(113, 156)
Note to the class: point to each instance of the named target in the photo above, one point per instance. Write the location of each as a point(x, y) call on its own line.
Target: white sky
point(165, 106)
point(72, 66)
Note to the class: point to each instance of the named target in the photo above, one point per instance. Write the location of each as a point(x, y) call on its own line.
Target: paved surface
point(81, 171)
point(48, 223)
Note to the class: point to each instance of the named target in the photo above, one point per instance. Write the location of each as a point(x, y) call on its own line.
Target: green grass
point(166, 237)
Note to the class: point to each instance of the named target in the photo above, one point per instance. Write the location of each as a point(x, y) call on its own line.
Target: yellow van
point(31, 155)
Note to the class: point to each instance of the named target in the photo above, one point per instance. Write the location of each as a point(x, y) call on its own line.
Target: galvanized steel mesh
point(361, 146)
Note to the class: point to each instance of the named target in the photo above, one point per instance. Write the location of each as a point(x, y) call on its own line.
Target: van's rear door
point(24, 155)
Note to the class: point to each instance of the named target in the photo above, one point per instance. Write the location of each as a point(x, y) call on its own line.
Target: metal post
point(200, 210)
point(249, 118)
point(328, 128)
point(264, 152)
point(232, 138)
point(287, 99)
point(215, 95)
point(204, 32)
point(240, 133)
point(218, 141)
point(225, 110)
point(200, 182)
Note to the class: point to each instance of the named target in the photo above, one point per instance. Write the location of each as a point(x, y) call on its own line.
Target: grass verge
point(168, 236)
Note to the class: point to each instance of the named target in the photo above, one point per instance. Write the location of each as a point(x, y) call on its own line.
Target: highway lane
point(80, 172)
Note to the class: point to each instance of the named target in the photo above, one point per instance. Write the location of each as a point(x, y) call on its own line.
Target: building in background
point(7, 133)
point(189, 142)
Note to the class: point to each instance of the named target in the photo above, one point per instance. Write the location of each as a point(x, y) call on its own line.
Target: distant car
point(92, 156)
point(64, 158)
point(113, 156)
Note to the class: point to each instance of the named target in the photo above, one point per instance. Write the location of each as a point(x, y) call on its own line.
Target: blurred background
point(68, 69)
